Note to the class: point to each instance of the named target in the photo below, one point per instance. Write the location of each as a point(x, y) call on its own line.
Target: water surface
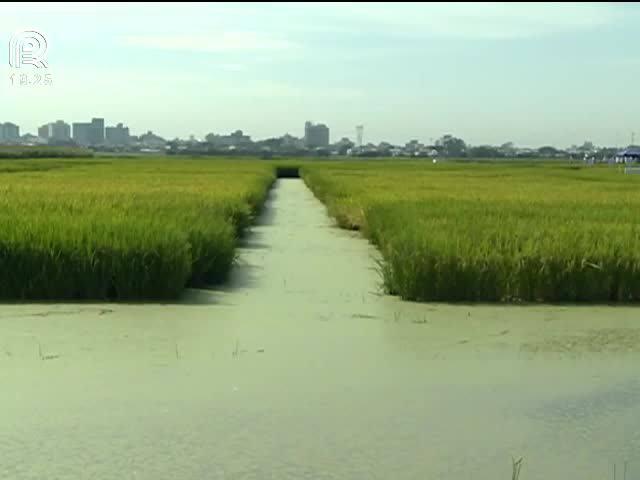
point(299, 368)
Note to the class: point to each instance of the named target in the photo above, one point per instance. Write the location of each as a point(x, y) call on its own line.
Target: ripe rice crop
point(122, 229)
point(489, 232)
point(31, 152)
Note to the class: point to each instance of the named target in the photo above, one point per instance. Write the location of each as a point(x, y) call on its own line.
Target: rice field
point(30, 152)
point(492, 232)
point(122, 229)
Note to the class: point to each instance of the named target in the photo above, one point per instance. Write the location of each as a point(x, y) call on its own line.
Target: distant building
point(316, 135)
point(628, 155)
point(58, 131)
point(413, 146)
point(43, 131)
point(9, 132)
point(89, 134)
point(81, 133)
point(150, 140)
point(118, 135)
point(236, 139)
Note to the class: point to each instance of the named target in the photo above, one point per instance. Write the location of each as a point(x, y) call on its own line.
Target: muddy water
point(300, 369)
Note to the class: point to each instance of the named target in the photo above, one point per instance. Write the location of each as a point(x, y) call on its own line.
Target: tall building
point(58, 131)
point(316, 135)
point(89, 133)
point(97, 131)
point(118, 135)
point(9, 132)
point(43, 131)
point(81, 133)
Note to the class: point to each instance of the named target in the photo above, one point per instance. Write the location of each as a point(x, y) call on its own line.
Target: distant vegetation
point(122, 230)
point(134, 229)
point(43, 152)
point(492, 232)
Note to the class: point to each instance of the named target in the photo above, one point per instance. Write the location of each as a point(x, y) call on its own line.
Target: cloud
point(212, 43)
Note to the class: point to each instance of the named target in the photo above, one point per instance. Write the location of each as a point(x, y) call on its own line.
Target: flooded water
point(300, 369)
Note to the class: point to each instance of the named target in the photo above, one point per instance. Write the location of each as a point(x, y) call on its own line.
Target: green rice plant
point(31, 152)
point(122, 229)
point(491, 232)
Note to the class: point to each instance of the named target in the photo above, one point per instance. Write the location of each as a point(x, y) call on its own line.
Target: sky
point(530, 73)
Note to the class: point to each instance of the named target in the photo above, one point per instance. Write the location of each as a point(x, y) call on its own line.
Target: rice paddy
point(492, 232)
point(30, 152)
point(122, 229)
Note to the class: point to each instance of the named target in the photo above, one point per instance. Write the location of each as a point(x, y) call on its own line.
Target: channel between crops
point(145, 229)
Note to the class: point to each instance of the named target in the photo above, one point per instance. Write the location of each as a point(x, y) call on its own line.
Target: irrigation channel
point(298, 368)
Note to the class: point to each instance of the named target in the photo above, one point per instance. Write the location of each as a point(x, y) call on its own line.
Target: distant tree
point(273, 143)
point(210, 138)
point(548, 151)
point(609, 152)
point(586, 147)
point(450, 146)
point(484, 151)
point(173, 147)
point(508, 149)
point(343, 149)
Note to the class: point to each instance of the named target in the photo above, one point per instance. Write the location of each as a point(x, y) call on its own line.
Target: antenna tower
point(359, 134)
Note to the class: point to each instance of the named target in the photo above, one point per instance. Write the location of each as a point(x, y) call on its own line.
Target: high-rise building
point(97, 131)
point(58, 131)
point(89, 133)
point(118, 135)
point(316, 135)
point(9, 132)
point(43, 131)
point(81, 133)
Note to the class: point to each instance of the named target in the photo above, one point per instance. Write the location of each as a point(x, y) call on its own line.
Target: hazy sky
point(529, 73)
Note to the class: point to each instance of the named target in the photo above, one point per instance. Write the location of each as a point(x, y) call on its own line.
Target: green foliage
point(492, 232)
point(122, 229)
point(43, 152)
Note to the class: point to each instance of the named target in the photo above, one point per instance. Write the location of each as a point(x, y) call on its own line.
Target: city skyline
point(99, 132)
point(489, 73)
point(314, 135)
